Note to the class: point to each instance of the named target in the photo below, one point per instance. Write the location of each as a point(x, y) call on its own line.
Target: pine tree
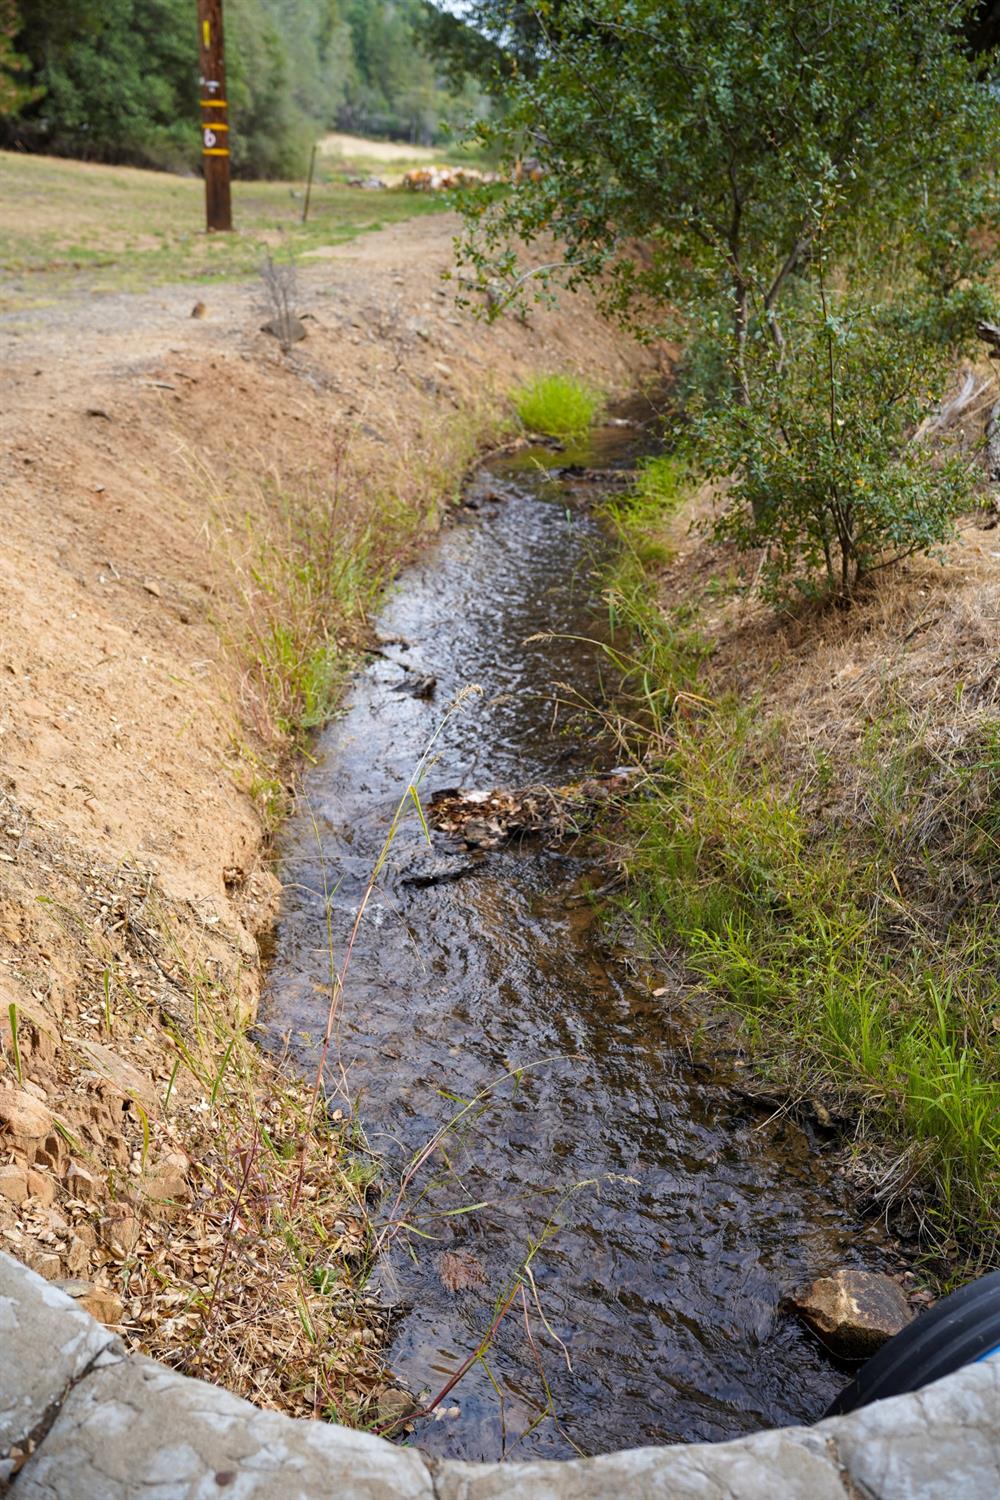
point(15, 90)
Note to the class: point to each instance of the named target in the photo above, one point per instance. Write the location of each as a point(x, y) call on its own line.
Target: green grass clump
point(660, 486)
point(639, 517)
point(786, 926)
point(558, 406)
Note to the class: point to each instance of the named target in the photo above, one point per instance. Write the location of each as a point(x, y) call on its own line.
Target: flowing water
point(682, 1213)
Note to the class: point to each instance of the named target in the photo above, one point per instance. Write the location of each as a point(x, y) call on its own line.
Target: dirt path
point(365, 291)
point(146, 456)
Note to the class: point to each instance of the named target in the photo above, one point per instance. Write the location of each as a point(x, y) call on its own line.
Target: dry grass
point(260, 1286)
point(307, 566)
point(193, 1140)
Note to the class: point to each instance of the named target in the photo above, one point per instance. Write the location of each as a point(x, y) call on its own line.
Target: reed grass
point(558, 406)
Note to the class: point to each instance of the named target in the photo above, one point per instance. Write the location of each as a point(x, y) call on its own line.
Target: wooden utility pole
point(214, 116)
point(309, 184)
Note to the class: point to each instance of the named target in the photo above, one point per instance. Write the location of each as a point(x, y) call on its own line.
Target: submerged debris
point(460, 1269)
point(417, 685)
point(608, 478)
point(487, 819)
point(429, 868)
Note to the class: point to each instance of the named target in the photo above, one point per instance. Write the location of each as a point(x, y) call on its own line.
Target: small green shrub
point(828, 472)
point(558, 406)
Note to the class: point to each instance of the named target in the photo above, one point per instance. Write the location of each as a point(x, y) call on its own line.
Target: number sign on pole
point(214, 116)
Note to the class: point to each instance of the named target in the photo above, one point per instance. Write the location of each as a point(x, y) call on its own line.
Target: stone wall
point(81, 1419)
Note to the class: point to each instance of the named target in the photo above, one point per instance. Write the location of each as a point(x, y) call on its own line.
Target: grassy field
point(72, 227)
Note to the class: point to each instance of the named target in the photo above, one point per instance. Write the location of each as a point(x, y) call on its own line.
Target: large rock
point(48, 1344)
point(117, 1073)
point(133, 1428)
point(81, 1184)
point(41, 1188)
point(14, 1183)
point(853, 1312)
point(23, 1116)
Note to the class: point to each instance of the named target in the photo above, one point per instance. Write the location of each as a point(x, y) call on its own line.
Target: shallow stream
point(683, 1211)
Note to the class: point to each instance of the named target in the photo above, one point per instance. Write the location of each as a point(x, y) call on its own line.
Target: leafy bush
point(828, 469)
point(559, 406)
point(728, 140)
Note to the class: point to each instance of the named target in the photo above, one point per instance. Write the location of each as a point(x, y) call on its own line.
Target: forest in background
point(118, 82)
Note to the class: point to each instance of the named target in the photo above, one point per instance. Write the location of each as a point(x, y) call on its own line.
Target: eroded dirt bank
point(148, 459)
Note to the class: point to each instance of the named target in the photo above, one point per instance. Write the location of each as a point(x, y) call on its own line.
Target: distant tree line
point(118, 81)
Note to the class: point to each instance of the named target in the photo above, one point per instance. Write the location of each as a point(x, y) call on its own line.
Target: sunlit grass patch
point(559, 406)
point(80, 228)
point(640, 515)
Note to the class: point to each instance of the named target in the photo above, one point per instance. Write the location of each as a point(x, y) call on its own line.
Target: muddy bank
point(147, 459)
point(661, 1217)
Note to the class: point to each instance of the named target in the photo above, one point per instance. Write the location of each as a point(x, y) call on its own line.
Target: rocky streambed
point(651, 1217)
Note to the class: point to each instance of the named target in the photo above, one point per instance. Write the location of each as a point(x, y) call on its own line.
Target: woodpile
point(445, 179)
